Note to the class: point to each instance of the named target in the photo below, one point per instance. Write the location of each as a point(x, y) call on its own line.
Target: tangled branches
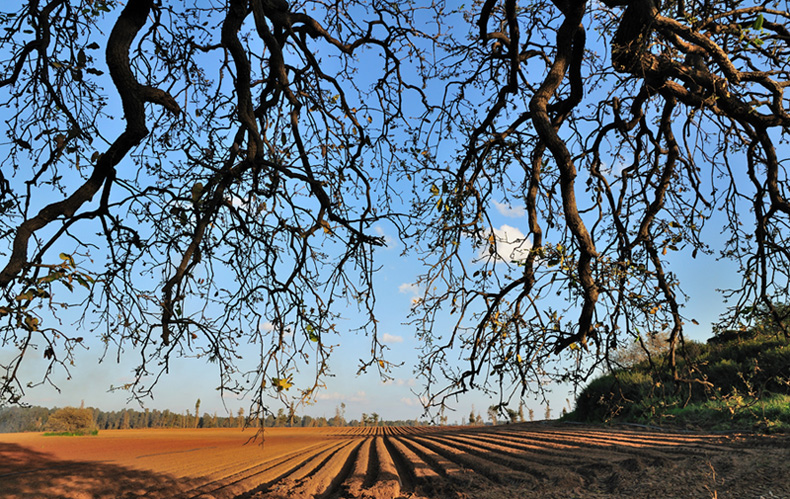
point(234, 204)
point(260, 140)
point(620, 150)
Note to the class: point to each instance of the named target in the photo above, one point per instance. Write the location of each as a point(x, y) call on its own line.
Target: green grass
point(71, 433)
point(769, 415)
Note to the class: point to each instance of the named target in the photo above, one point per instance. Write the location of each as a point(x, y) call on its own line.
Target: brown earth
point(525, 460)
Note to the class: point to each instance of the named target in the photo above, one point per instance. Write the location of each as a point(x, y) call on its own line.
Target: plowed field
point(524, 460)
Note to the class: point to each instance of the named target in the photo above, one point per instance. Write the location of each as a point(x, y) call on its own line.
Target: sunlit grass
point(769, 414)
point(71, 433)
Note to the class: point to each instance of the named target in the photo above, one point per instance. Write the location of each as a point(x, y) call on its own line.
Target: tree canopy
point(71, 420)
point(198, 177)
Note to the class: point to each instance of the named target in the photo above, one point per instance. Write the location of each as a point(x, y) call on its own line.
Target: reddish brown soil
point(525, 460)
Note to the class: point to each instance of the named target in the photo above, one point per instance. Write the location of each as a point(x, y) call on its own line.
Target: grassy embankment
point(737, 381)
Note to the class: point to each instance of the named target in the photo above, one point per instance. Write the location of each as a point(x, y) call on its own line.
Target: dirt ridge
point(523, 460)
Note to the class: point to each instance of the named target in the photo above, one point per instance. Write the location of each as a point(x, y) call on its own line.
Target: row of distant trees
point(497, 414)
point(284, 418)
point(16, 419)
point(19, 419)
point(493, 412)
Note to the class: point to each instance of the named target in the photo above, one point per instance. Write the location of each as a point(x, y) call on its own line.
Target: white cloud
point(388, 240)
point(411, 289)
point(510, 211)
point(391, 338)
point(413, 401)
point(614, 172)
point(238, 202)
point(510, 243)
point(268, 327)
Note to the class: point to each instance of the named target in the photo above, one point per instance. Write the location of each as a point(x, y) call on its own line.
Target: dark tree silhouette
point(197, 178)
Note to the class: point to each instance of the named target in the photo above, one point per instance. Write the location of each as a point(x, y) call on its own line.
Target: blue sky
point(190, 379)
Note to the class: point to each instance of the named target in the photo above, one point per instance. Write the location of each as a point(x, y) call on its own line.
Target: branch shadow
point(27, 473)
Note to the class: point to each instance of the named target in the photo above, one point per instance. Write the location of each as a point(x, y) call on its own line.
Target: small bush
point(633, 354)
point(726, 375)
point(71, 421)
point(693, 349)
point(774, 365)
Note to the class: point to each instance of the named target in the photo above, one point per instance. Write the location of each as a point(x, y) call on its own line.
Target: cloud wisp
point(508, 244)
point(412, 289)
point(510, 211)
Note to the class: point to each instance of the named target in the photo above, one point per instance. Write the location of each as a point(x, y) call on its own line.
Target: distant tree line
point(16, 419)
point(19, 419)
point(285, 418)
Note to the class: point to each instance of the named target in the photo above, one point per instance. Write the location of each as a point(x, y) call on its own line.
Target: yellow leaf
point(197, 191)
point(31, 323)
point(281, 384)
point(67, 259)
